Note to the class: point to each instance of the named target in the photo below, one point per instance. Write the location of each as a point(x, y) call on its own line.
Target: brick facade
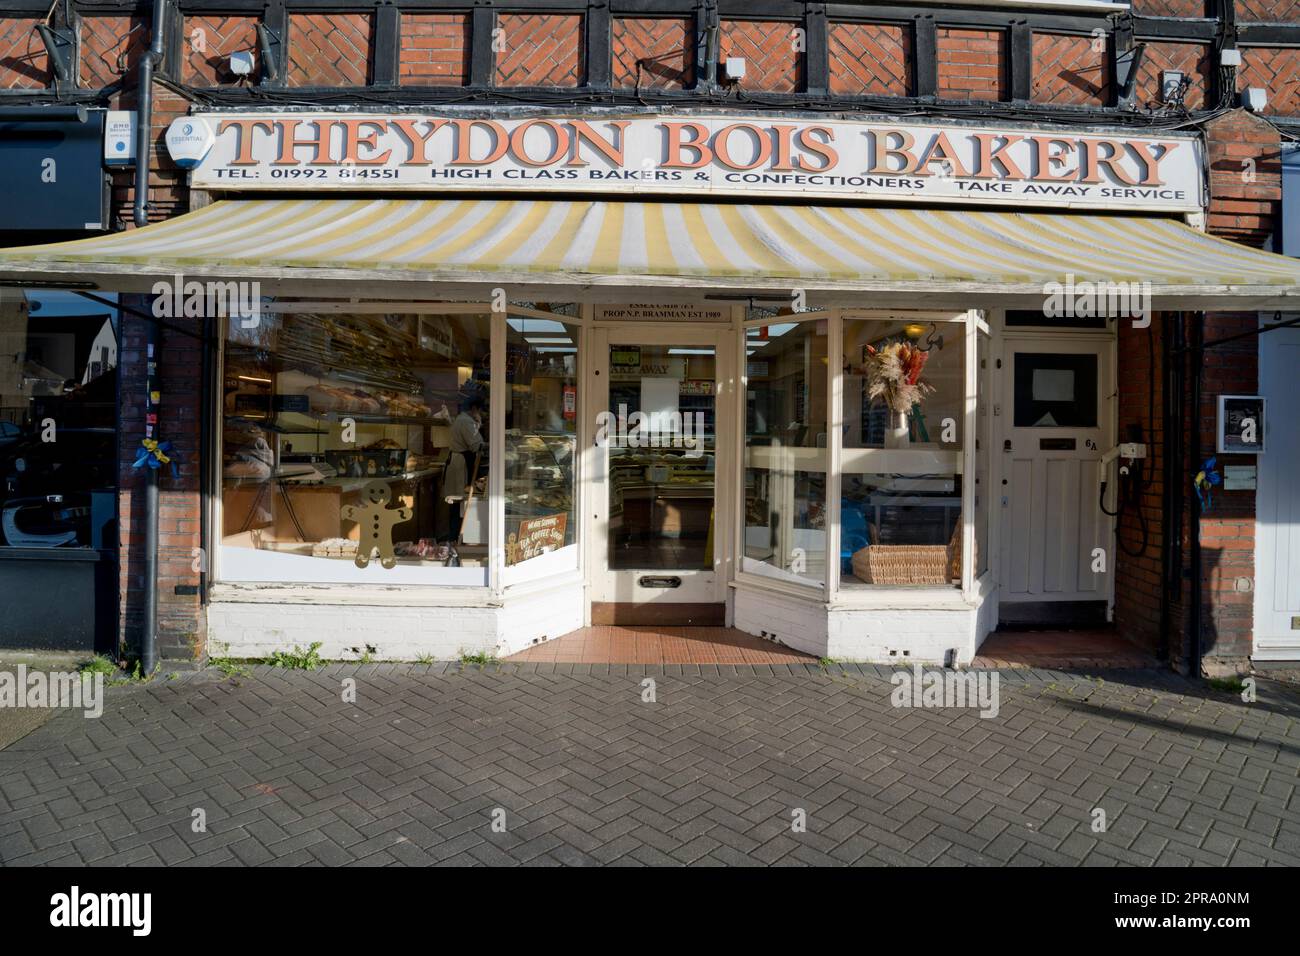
point(538, 50)
point(1277, 70)
point(335, 49)
point(652, 53)
point(208, 43)
point(24, 64)
point(1071, 70)
point(434, 49)
point(1244, 154)
point(870, 59)
point(772, 50)
point(1267, 11)
point(1190, 59)
point(111, 48)
point(972, 64)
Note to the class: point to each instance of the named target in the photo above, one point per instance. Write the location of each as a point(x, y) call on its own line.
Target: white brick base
point(879, 635)
point(393, 633)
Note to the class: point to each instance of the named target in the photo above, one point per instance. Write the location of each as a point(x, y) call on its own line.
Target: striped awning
point(304, 245)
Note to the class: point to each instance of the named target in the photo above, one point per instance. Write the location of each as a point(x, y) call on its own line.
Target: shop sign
point(715, 154)
point(535, 537)
point(666, 312)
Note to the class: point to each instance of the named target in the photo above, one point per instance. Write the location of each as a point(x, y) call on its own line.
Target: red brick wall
point(1138, 577)
point(208, 43)
point(653, 52)
point(334, 49)
point(972, 64)
point(1275, 69)
point(1191, 59)
point(1269, 11)
point(1069, 72)
point(539, 50)
point(434, 49)
point(870, 59)
point(181, 623)
point(774, 63)
point(111, 48)
point(1174, 8)
point(1241, 210)
point(23, 62)
point(168, 192)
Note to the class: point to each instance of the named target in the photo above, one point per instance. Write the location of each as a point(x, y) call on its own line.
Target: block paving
point(711, 773)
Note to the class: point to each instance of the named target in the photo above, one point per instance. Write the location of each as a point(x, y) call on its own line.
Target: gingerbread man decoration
point(375, 520)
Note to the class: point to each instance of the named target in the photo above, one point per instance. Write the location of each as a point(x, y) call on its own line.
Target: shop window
point(58, 422)
point(541, 417)
point(786, 456)
point(904, 390)
point(983, 449)
point(356, 448)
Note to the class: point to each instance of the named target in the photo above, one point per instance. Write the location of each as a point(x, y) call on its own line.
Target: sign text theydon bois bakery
point(718, 155)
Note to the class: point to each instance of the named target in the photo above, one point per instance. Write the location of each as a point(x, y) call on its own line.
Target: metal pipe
point(144, 114)
point(140, 214)
point(1198, 367)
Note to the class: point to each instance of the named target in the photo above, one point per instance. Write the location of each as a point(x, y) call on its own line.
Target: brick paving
point(1060, 650)
point(710, 773)
point(660, 645)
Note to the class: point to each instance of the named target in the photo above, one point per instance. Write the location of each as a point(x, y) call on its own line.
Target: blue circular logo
point(189, 128)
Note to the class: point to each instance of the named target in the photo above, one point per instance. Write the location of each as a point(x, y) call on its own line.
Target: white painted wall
point(248, 629)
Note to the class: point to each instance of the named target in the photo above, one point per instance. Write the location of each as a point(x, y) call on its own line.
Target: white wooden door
point(1056, 419)
point(1277, 503)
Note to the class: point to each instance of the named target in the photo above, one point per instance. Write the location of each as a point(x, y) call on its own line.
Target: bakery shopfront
point(477, 381)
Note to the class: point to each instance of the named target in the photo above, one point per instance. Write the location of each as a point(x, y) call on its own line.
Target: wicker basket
point(909, 563)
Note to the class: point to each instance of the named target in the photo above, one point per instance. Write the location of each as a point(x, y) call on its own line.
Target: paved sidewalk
point(712, 773)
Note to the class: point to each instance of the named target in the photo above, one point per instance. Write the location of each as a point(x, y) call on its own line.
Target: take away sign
point(719, 155)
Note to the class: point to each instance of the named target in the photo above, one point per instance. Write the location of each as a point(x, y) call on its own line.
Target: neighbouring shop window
point(58, 422)
point(355, 447)
point(786, 455)
point(541, 420)
point(904, 391)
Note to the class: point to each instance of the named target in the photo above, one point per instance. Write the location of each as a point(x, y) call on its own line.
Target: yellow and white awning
point(327, 246)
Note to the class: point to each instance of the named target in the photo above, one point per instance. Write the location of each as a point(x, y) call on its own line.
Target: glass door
point(658, 444)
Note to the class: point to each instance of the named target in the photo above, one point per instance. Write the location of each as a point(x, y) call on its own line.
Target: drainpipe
point(1197, 350)
point(140, 214)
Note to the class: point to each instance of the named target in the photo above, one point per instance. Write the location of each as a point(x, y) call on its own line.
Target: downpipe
point(140, 215)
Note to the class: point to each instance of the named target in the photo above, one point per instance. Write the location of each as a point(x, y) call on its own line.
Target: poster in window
point(1241, 425)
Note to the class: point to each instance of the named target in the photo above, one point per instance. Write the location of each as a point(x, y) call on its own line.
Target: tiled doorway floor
point(1060, 650)
point(660, 645)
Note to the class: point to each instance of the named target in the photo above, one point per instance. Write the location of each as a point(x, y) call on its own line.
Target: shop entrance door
point(662, 444)
point(1277, 528)
point(1056, 418)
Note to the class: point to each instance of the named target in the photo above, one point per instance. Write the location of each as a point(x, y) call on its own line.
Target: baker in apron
point(466, 442)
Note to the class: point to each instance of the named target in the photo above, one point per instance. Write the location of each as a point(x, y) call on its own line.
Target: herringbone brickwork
point(772, 51)
point(24, 64)
point(1070, 70)
point(870, 59)
point(972, 64)
point(1268, 11)
point(539, 49)
point(1190, 59)
point(1276, 70)
point(209, 41)
point(333, 49)
point(588, 773)
point(111, 48)
point(653, 53)
point(1175, 8)
point(435, 49)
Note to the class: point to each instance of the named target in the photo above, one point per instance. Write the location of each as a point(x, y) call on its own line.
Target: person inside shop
point(466, 444)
